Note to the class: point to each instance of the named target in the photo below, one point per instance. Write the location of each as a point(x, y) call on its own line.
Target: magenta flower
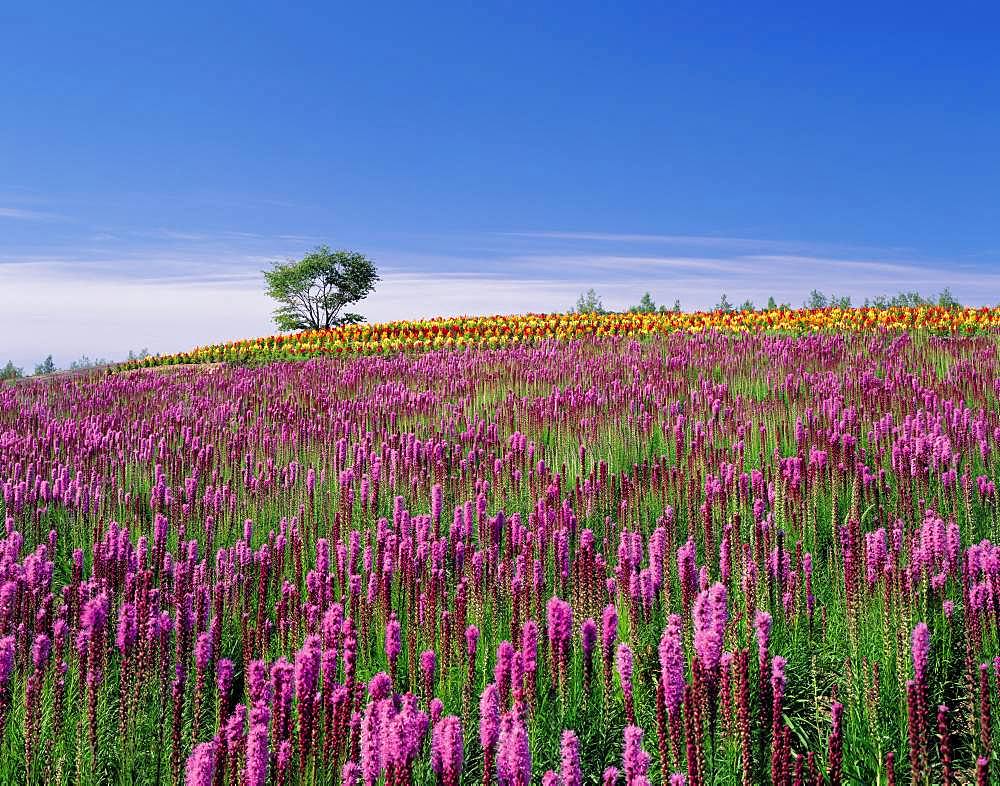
point(609, 629)
point(588, 633)
point(560, 626)
point(6, 659)
point(778, 679)
point(393, 645)
point(672, 666)
point(200, 768)
point(501, 670)
point(350, 774)
point(710, 618)
point(762, 630)
point(635, 761)
point(920, 648)
point(127, 627)
point(446, 750)
point(623, 662)
point(372, 732)
point(513, 753)
point(489, 717)
point(428, 661)
point(257, 746)
point(569, 767)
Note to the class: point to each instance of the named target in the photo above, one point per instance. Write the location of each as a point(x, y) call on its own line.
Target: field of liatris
point(692, 558)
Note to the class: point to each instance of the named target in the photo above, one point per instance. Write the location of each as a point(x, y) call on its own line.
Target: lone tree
point(313, 292)
point(646, 305)
point(589, 303)
point(47, 366)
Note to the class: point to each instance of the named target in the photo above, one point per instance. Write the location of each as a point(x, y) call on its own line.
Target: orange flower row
point(506, 330)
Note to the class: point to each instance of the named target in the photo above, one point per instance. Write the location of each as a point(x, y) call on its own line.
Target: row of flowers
point(494, 332)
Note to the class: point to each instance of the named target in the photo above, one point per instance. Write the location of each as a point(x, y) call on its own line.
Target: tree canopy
point(47, 366)
point(313, 292)
point(589, 303)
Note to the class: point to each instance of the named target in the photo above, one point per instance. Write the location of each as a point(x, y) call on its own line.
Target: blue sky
point(490, 159)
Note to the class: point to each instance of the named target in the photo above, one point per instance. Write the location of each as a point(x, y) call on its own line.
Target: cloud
point(103, 303)
point(612, 237)
point(27, 215)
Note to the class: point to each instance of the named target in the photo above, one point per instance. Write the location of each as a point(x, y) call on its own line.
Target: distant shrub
point(589, 303)
point(47, 366)
point(10, 371)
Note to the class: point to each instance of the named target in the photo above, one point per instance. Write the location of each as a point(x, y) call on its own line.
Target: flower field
point(713, 550)
point(498, 332)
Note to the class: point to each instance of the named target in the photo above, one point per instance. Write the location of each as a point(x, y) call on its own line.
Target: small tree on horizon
point(47, 366)
point(723, 305)
point(644, 306)
point(10, 371)
point(313, 292)
point(589, 303)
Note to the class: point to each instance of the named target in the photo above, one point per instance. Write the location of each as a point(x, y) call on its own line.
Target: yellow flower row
point(506, 330)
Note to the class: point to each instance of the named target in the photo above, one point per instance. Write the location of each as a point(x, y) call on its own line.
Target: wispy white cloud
point(70, 308)
point(711, 243)
point(614, 237)
point(175, 288)
point(22, 214)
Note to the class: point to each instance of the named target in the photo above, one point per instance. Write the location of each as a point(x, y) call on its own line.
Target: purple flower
point(560, 619)
point(40, 651)
point(762, 629)
point(127, 627)
point(501, 670)
point(489, 717)
point(260, 687)
point(513, 754)
point(350, 774)
point(589, 634)
point(446, 749)
point(234, 728)
point(428, 660)
point(405, 733)
point(635, 761)
point(471, 639)
point(200, 768)
point(569, 767)
point(920, 648)
point(203, 652)
point(672, 665)
point(224, 676)
point(778, 679)
point(6, 659)
point(609, 628)
point(687, 570)
point(95, 614)
point(393, 645)
point(257, 746)
point(623, 662)
point(710, 618)
point(371, 740)
point(380, 686)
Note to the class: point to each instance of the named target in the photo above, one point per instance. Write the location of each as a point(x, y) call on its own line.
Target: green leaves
point(312, 292)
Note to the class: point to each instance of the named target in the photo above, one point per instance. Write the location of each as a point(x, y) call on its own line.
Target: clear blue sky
point(153, 159)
